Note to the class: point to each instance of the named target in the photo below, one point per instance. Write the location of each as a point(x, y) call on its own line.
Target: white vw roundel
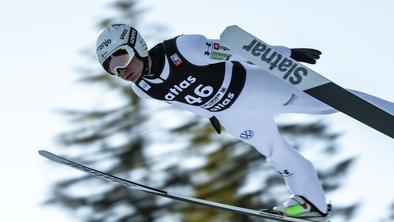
point(247, 134)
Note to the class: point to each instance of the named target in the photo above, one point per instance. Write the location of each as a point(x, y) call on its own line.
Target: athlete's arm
point(202, 51)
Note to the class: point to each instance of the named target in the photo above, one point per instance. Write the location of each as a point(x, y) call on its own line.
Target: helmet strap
point(145, 69)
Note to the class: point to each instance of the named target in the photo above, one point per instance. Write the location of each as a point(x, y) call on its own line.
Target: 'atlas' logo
point(223, 104)
point(177, 89)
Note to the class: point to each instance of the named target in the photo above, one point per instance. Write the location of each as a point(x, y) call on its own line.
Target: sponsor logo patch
point(217, 46)
point(144, 85)
point(286, 173)
point(106, 43)
point(133, 36)
point(216, 98)
point(247, 134)
point(123, 33)
point(220, 56)
point(176, 59)
point(208, 51)
point(224, 103)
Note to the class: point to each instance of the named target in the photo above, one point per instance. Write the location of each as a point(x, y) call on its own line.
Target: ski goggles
point(119, 59)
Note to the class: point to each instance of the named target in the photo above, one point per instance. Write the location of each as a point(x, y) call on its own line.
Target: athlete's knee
point(265, 150)
point(262, 145)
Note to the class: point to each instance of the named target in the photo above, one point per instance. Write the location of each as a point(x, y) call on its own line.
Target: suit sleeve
point(202, 51)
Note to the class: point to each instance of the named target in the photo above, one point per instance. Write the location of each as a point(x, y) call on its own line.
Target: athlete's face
point(132, 71)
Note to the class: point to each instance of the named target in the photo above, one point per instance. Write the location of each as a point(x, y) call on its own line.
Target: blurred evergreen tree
point(153, 144)
point(390, 218)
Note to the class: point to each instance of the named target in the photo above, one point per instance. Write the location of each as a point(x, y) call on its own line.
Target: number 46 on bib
point(305, 79)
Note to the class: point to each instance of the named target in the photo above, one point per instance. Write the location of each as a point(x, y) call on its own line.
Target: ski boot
point(299, 207)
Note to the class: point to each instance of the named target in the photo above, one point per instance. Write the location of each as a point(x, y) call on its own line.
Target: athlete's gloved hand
point(305, 55)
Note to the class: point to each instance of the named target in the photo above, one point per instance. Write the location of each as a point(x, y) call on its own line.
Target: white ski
point(305, 79)
point(140, 187)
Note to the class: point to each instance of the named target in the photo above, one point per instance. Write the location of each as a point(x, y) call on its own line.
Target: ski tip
point(48, 154)
point(43, 152)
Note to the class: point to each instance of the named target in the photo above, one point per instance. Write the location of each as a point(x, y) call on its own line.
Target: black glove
point(305, 55)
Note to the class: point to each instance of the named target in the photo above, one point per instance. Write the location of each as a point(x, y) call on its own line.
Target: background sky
point(41, 44)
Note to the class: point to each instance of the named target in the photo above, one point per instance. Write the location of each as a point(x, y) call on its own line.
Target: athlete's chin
point(135, 78)
point(130, 77)
point(128, 80)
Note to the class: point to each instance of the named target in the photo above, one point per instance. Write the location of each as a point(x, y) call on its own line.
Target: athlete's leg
point(261, 132)
point(304, 103)
point(276, 96)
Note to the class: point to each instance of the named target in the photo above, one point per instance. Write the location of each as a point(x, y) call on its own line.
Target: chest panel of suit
point(213, 87)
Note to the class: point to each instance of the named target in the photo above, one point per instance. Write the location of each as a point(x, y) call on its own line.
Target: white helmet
point(124, 39)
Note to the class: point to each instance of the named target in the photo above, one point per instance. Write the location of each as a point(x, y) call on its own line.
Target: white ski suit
point(250, 116)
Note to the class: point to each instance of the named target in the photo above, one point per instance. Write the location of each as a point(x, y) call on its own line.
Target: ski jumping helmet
point(116, 46)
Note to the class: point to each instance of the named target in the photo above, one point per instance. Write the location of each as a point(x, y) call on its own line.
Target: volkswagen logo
point(247, 134)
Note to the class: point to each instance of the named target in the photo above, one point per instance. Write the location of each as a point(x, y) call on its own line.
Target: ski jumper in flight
point(201, 75)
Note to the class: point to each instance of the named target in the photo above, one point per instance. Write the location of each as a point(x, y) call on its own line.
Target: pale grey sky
point(41, 41)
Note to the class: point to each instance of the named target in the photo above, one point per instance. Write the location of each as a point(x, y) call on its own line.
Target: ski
point(305, 79)
point(151, 190)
